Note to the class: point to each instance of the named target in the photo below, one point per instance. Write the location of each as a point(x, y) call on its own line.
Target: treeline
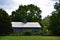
point(5, 23)
point(31, 13)
point(51, 24)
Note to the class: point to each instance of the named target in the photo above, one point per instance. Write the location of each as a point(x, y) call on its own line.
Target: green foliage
point(29, 12)
point(5, 23)
point(55, 20)
point(45, 23)
point(27, 33)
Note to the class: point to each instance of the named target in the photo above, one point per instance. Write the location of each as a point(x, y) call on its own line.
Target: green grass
point(29, 38)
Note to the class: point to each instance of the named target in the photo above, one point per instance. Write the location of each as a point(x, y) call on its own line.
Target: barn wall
point(25, 29)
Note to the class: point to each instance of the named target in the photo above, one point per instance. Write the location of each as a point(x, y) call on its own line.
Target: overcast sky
point(47, 6)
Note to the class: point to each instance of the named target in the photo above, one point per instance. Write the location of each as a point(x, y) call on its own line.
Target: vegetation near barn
point(5, 23)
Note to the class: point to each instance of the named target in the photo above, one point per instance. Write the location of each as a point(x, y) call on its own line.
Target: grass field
point(29, 38)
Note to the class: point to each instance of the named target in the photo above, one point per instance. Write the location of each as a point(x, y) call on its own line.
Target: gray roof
point(28, 24)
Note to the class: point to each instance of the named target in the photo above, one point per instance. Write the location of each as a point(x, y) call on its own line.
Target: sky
point(47, 6)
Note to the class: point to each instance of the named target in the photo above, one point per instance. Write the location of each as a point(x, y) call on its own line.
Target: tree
point(5, 23)
point(46, 24)
point(55, 20)
point(30, 13)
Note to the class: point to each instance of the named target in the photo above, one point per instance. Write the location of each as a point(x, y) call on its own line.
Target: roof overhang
point(26, 25)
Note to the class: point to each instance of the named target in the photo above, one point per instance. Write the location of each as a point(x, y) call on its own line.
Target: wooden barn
point(21, 27)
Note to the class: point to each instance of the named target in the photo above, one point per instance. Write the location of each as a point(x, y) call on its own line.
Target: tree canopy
point(5, 23)
point(55, 20)
point(30, 13)
point(46, 24)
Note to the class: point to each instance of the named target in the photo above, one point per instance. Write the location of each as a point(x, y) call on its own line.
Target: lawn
point(29, 38)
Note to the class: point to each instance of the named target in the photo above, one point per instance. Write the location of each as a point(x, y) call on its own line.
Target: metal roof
point(28, 24)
